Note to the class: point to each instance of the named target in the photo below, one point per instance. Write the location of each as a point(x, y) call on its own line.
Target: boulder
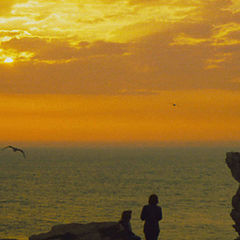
point(90, 231)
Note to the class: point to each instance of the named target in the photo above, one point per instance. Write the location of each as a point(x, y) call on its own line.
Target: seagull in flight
point(15, 150)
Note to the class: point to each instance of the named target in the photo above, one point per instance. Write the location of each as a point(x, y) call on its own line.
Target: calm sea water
point(63, 185)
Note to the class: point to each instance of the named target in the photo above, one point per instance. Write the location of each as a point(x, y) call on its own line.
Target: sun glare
point(8, 60)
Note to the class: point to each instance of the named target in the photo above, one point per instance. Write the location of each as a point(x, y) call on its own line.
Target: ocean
point(56, 185)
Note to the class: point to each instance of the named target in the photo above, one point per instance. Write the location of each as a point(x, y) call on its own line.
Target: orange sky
point(109, 71)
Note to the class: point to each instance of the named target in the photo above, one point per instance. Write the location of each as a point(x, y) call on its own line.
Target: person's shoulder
point(156, 207)
point(159, 207)
point(144, 208)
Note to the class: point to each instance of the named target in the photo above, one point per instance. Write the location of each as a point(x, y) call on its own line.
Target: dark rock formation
point(90, 231)
point(233, 162)
point(7, 239)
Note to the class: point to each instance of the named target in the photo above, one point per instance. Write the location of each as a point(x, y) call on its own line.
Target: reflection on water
point(54, 186)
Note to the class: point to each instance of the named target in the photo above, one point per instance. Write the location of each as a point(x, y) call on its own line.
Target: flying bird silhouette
point(15, 150)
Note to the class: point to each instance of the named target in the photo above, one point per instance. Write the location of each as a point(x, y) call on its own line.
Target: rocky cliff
point(233, 162)
point(90, 231)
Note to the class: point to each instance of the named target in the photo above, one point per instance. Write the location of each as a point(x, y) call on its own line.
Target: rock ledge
point(233, 162)
point(90, 231)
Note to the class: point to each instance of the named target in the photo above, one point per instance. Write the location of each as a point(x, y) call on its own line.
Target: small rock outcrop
point(233, 162)
point(90, 231)
point(8, 239)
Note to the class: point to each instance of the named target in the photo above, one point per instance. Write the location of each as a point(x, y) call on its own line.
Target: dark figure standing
point(125, 222)
point(151, 214)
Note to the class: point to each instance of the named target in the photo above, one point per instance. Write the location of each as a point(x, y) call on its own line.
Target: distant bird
point(15, 150)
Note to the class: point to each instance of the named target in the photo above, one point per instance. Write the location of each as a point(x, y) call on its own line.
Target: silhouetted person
point(151, 214)
point(125, 222)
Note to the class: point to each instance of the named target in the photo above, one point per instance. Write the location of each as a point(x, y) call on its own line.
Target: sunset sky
point(109, 71)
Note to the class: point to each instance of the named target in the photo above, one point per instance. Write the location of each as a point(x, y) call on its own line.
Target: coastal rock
point(236, 200)
point(90, 231)
point(233, 162)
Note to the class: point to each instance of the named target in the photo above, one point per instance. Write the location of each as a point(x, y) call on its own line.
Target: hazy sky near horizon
point(109, 70)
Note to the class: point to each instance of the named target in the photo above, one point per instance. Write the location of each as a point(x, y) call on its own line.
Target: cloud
point(151, 64)
point(6, 6)
point(185, 51)
point(55, 49)
point(164, 2)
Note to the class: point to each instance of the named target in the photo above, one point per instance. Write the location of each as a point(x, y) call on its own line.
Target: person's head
point(153, 199)
point(126, 216)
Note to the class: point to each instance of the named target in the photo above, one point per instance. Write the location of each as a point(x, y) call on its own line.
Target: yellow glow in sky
point(8, 60)
point(110, 69)
point(199, 116)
